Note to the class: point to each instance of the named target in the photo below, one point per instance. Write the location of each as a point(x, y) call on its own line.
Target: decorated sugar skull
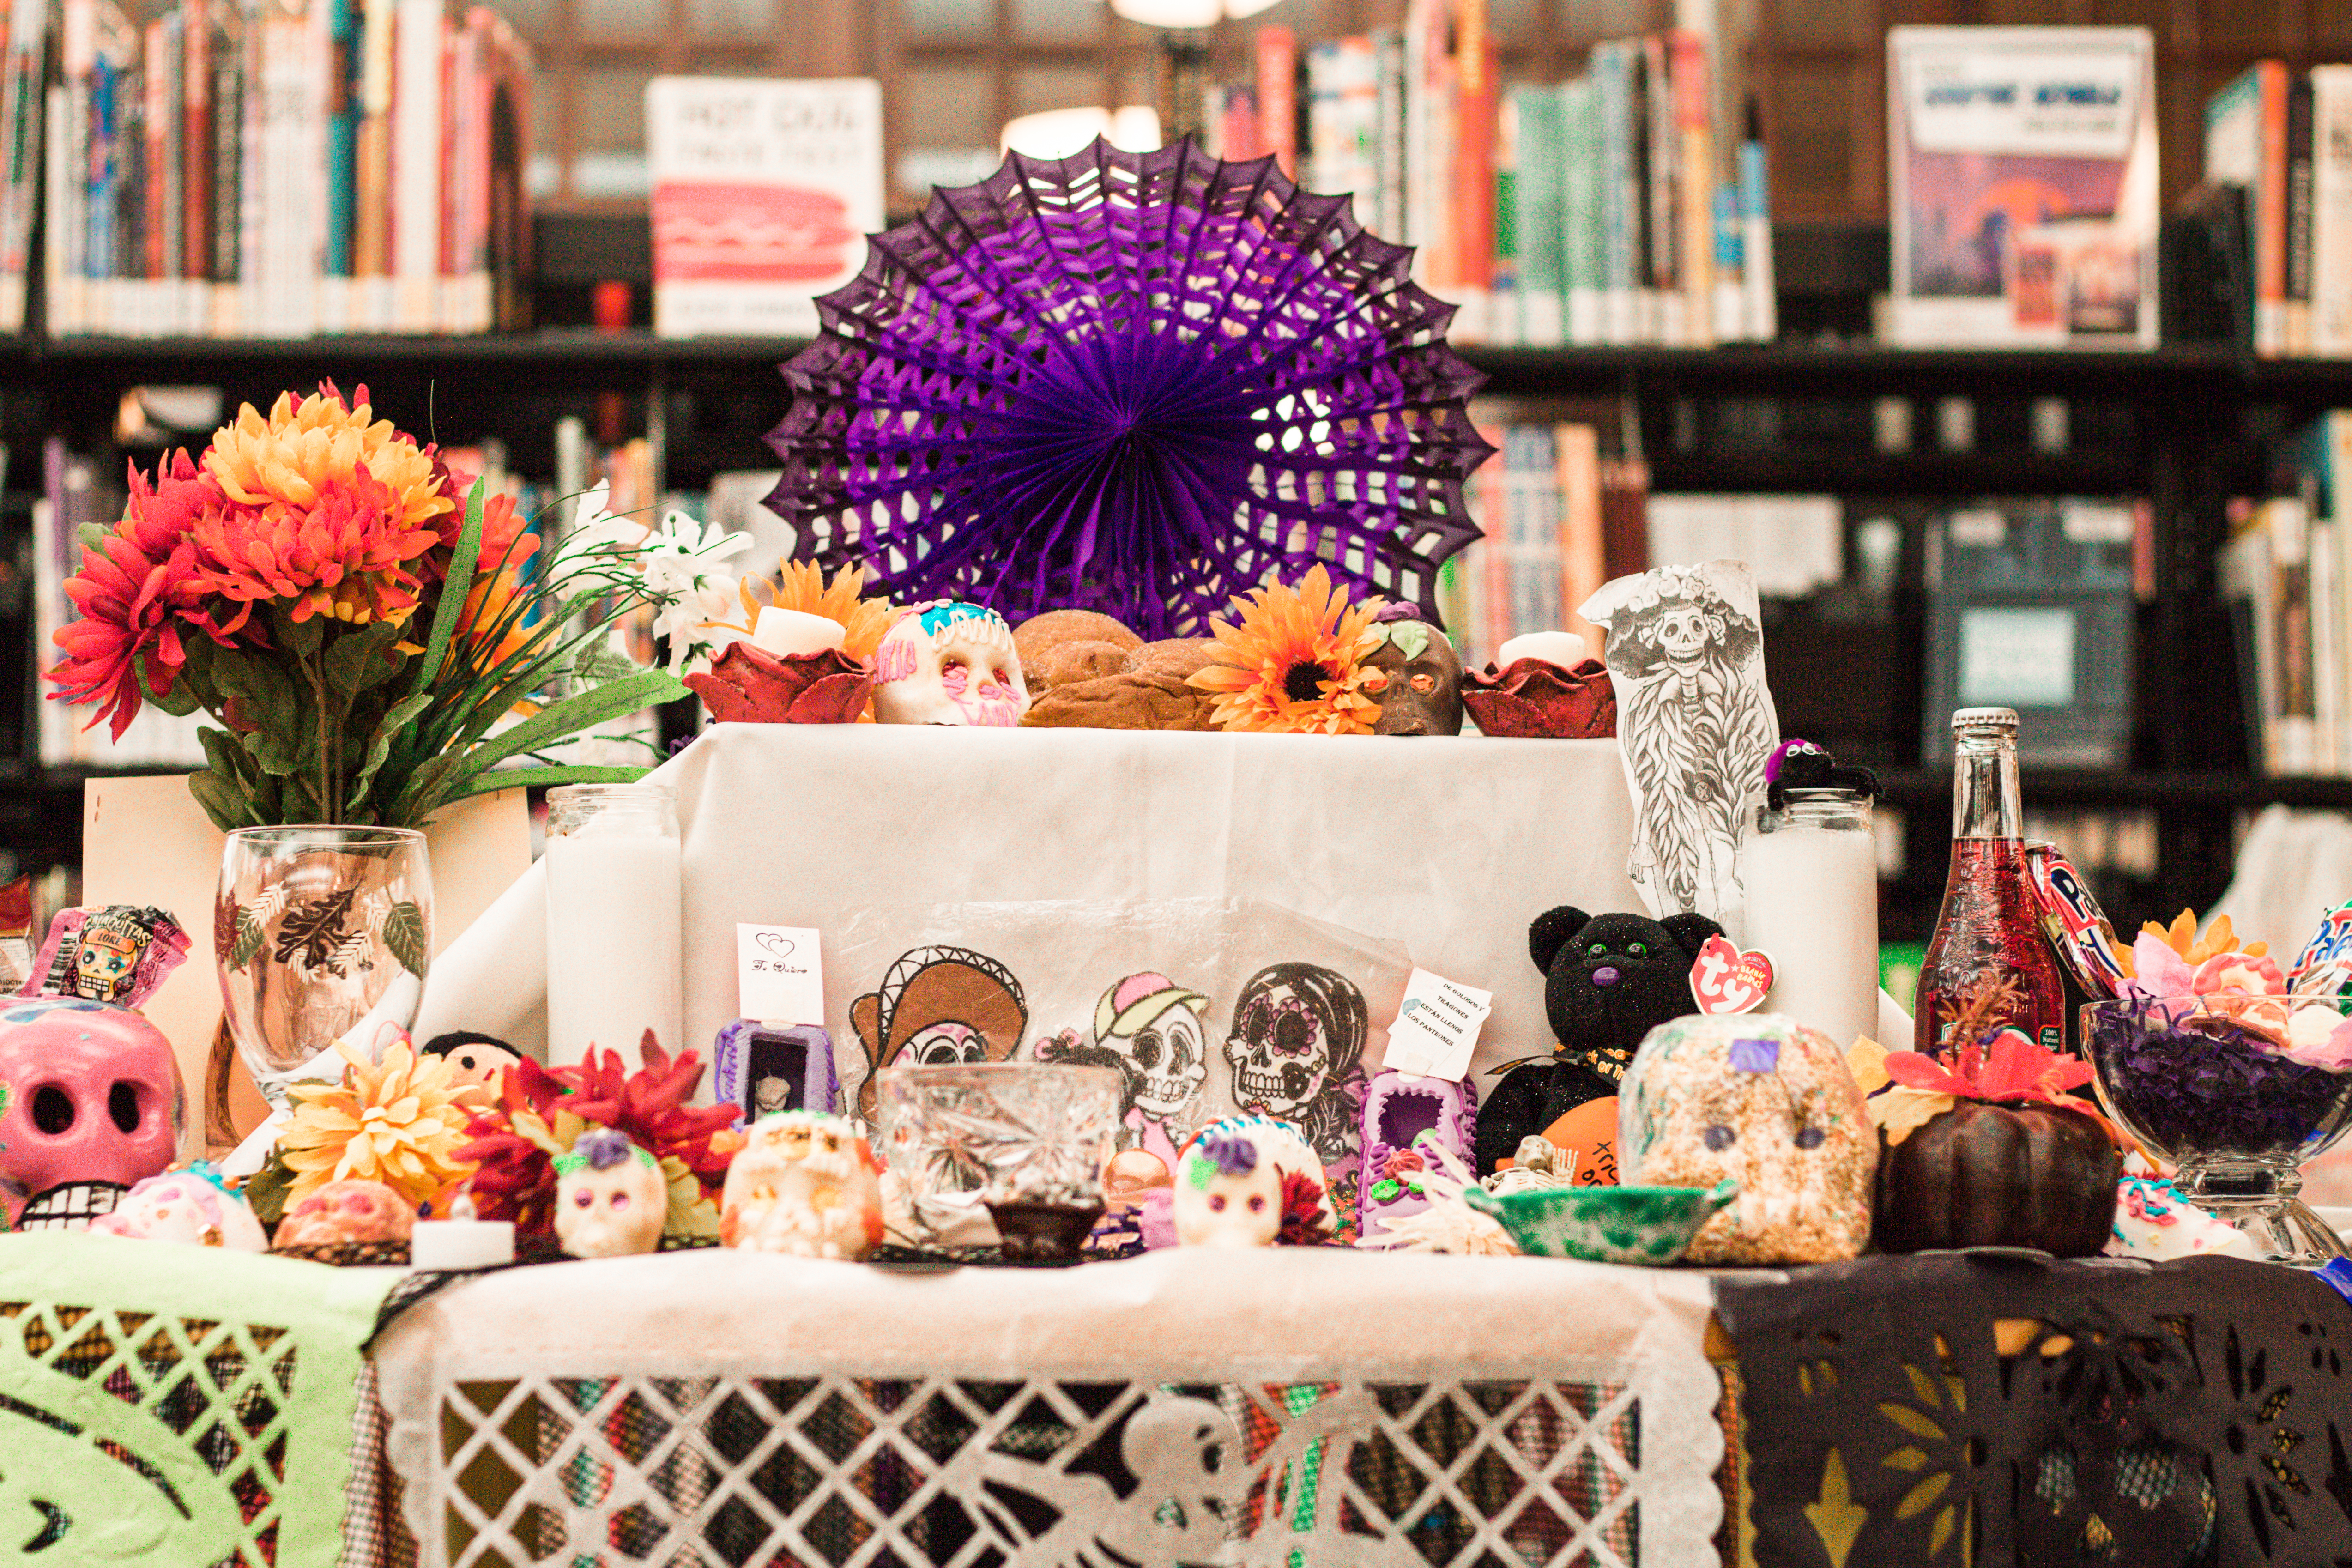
point(1766, 1099)
point(1297, 1052)
point(1278, 1147)
point(610, 1197)
point(1153, 1024)
point(349, 1211)
point(89, 1103)
point(1228, 1192)
point(1424, 694)
point(949, 663)
point(188, 1206)
point(806, 1184)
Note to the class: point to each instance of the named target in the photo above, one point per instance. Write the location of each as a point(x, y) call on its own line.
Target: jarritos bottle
point(1987, 935)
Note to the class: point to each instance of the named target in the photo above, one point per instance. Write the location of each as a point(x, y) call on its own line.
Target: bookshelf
point(2184, 425)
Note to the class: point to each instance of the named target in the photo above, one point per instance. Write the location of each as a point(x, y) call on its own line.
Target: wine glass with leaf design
point(320, 933)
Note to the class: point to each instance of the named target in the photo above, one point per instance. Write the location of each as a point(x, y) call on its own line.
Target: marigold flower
point(398, 1122)
point(1294, 665)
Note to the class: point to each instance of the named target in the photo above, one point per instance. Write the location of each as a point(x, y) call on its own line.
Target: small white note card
point(780, 978)
point(1436, 1028)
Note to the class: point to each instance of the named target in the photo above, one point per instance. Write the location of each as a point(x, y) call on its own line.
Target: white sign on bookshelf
point(764, 193)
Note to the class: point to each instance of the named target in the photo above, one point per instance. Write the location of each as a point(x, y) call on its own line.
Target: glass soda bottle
point(1986, 933)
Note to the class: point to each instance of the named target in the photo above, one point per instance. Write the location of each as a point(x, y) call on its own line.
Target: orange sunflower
point(1295, 664)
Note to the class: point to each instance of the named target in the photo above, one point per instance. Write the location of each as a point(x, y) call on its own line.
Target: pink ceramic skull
point(89, 1103)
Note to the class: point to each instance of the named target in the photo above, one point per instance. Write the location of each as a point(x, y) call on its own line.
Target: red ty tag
point(1726, 979)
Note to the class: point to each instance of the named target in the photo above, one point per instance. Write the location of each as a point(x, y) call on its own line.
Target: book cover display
point(764, 193)
point(2023, 186)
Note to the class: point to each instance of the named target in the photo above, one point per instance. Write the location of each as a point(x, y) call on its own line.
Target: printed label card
point(1436, 1027)
point(779, 972)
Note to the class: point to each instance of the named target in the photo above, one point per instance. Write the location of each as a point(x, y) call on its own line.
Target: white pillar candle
point(614, 947)
point(461, 1241)
point(786, 633)
point(1565, 650)
point(1812, 904)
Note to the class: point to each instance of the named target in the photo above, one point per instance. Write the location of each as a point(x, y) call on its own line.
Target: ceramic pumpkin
point(1770, 1102)
point(1980, 1174)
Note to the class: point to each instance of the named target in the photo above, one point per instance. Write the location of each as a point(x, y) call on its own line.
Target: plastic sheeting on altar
point(1449, 845)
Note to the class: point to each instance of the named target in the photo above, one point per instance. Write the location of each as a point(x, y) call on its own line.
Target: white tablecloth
point(1449, 845)
point(1191, 1405)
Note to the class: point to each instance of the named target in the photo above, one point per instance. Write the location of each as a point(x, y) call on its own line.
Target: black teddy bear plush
point(1609, 981)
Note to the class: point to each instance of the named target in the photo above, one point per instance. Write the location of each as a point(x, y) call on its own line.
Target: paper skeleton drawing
point(1695, 725)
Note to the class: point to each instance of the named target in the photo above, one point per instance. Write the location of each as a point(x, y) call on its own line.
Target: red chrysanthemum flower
point(1303, 1222)
point(135, 590)
point(540, 1111)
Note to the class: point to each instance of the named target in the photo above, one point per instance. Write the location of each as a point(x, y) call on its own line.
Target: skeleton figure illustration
point(938, 1006)
point(1695, 725)
point(1150, 1028)
point(1186, 1456)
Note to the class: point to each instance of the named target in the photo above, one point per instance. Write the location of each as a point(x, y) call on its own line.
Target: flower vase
point(319, 933)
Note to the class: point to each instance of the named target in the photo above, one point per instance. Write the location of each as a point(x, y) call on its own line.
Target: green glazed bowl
point(1604, 1225)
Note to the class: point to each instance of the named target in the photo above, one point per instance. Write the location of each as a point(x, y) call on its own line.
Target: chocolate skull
point(1424, 694)
point(949, 663)
point(89, 1103)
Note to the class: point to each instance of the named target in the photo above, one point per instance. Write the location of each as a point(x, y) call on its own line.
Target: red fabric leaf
point(1914, 1069)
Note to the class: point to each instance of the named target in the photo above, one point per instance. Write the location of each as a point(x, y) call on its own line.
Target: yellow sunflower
point(398, 1122)
point(1294, 665)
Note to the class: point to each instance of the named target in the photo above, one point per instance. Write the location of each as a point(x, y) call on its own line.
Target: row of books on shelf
point(79, 489)
point(2286, 576)
point(2284, 137)
point(261, 168)
point(1565, 506)
point(1610, 208)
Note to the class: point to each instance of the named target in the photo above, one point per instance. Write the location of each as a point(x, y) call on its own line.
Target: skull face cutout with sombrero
point(938, 1006)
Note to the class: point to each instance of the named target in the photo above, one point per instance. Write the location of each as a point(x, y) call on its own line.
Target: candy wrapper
point(120, 954)
point(2075, 925)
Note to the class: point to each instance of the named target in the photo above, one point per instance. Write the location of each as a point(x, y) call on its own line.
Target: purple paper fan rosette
point(1133, 383)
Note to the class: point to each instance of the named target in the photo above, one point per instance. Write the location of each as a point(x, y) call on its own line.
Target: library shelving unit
point(2184, 426)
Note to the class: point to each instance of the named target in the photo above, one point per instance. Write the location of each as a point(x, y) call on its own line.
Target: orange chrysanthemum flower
point(339, 554)
point(1295, 664)
point(325, 511)
point(304, 451)
point(862, 621)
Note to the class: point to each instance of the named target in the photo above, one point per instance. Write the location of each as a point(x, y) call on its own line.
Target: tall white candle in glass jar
point(615, 948)
point(1811, 870)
